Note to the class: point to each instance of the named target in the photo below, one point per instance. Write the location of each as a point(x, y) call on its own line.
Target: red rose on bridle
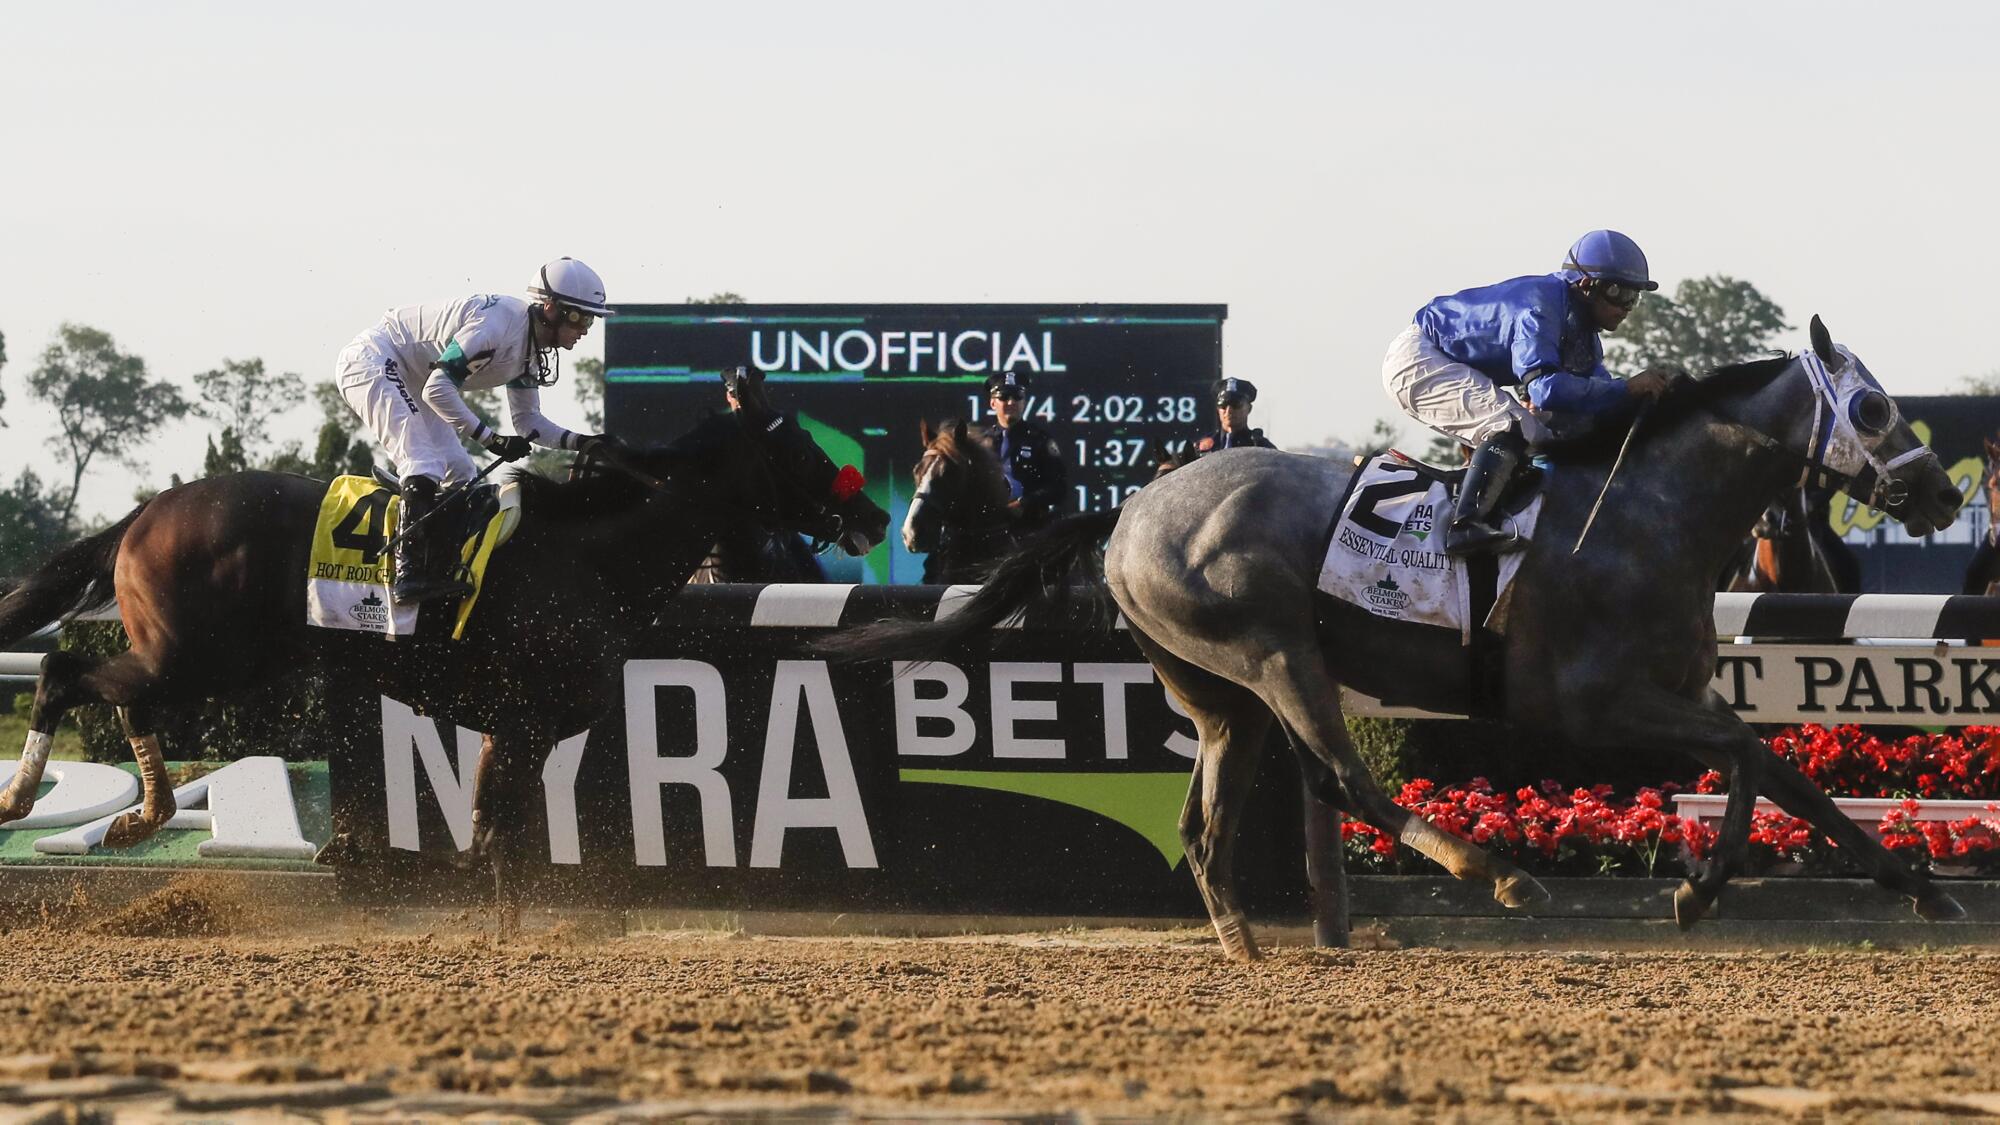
point(847, 483)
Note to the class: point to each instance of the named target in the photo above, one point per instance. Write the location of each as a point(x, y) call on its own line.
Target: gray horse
point(1215, 568)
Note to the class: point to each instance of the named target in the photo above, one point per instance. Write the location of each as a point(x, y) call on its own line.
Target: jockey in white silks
point(406, 376)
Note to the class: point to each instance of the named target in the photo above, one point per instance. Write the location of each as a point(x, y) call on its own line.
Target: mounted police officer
point(405, 378)
point(1459, 367)
point(1233, 400)
point(1037, 479)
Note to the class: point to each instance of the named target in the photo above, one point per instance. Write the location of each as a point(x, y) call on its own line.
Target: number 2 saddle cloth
point(1385, 552)
point(347, 579)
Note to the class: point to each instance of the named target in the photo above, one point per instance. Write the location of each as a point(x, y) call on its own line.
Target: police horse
point(958, 509)
point(210, 581)
point(1215, 567)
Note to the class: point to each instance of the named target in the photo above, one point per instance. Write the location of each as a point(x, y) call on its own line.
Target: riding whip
point(1637, 418)
point(443, 502)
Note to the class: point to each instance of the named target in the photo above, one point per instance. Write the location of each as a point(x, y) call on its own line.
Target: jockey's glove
point(508, 447)
point(601, 445)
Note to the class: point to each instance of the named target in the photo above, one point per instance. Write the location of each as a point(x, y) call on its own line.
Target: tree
point(31, 525)
point(3, 390)
point(104, 402)
point(590, 391)
point(245, 399)
point(726, 297)
point(1709, 322)
point(337, 448)
point(1987, 384)
point(225, 455)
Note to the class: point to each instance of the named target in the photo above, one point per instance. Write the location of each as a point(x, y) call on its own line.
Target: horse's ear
point(1992, 448)
point(1822, 342)
point(958, 429)
point(925, 431)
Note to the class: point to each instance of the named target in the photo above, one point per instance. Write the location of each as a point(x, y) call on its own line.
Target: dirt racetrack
point(1116, 1022)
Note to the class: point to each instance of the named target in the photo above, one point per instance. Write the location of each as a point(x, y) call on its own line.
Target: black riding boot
point(423, 554)
point(1473, 526)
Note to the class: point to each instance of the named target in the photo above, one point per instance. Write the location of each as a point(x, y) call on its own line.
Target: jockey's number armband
point(457, 366)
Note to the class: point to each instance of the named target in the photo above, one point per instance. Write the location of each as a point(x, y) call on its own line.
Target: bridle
point(1872, 482)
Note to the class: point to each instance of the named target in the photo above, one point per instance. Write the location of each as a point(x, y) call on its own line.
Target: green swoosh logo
point(1147, 803)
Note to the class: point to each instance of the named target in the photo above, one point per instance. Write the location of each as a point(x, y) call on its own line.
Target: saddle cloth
point(347, 583)
point(1385, 552)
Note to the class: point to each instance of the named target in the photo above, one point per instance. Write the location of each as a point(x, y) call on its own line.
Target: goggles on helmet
point(1620, 295)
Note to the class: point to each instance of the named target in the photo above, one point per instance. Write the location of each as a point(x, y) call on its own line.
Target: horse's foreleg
point(1649, 716)
point(156, 803)
point(1794, 792)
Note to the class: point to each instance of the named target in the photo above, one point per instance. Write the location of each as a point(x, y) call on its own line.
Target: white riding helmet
point(573, 285)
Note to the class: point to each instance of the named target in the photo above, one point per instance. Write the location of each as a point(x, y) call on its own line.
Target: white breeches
point(1449, 397)
point(390, 401)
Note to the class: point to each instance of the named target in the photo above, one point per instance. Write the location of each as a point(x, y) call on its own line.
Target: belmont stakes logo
point(1419, 523)
point(1386, 596)
point(370, 612)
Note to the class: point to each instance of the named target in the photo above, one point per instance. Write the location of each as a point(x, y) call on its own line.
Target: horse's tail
point(78, 578)
point(1037, 574)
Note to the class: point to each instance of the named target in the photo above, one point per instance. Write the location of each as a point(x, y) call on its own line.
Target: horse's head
point(771, 468)
point(958, 481)
point(1859, 437)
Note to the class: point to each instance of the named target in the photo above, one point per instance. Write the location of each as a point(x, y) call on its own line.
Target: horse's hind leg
point(1306, 699)
point(62, 677)
point(1232, 725)
point(156, 802)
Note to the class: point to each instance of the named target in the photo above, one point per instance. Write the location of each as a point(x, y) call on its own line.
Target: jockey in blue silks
point(1468, 359)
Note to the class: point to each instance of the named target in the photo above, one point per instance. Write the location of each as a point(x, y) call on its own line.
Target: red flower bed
point(1551, 829)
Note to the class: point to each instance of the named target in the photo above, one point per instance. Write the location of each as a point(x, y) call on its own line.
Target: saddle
point(348, 583)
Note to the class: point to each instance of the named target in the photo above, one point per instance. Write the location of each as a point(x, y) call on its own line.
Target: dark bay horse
point(210, 579)
point(958, 514)
point(1215, 569)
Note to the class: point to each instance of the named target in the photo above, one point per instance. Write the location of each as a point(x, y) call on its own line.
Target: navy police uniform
point(1031, 459)
point(1227, 390)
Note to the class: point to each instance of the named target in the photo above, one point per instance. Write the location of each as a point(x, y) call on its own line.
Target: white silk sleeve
point(441, 395)
point(524, 407)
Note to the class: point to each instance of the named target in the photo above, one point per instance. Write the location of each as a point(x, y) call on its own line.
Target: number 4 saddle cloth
point(1385, 552)
point(347, 577)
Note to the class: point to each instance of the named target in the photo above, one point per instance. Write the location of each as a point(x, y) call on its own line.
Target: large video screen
point(1115, 385)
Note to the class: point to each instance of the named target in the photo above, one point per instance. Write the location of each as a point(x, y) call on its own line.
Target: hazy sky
point(234, 180)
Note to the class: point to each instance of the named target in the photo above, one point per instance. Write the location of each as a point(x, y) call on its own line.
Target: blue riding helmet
point(1612, 256)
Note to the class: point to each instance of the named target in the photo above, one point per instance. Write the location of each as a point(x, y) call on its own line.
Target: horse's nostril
point(1950, 498)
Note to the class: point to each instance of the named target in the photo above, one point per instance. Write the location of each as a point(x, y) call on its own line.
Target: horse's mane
point(1600, 443)
point(955, 441)
point(607, 492)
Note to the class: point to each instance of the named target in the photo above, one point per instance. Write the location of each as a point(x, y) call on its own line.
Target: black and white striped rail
point(1801, 617)
point(1796, 617)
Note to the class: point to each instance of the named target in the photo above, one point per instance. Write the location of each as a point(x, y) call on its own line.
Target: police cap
point(1007, 382)
point(734, 378)
point(1235, 390)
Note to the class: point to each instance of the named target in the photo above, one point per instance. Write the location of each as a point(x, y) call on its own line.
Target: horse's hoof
point(1937, 906)
point(1519, 890)
point(1237, 942)
point(1690, 904)
point(129, 829)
